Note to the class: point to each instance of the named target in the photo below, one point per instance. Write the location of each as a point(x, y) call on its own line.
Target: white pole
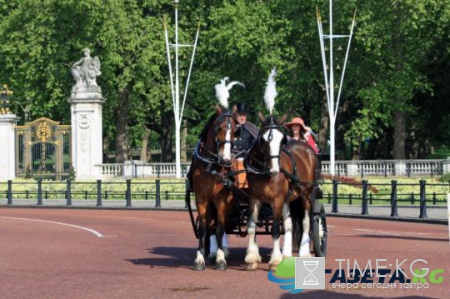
point(175, 90)
point(329, 78)
point(331, 99)
point(177, 100)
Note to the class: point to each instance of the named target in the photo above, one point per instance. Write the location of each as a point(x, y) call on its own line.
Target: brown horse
point(279, 172)
point(211, 161)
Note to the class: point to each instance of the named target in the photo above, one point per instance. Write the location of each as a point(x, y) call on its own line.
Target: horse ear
point(261, 117)
point(218, 109)
point(283, 119)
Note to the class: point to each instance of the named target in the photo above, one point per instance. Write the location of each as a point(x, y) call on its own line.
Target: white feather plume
point(271, 92)
point(223, 90)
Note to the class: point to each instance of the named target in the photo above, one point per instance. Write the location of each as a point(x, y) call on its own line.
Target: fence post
point(128, 193)
point(394, 207)
point(423, 200)
point(335, 200)
point(69, 192)
point(350, 199)
point(364, 209)
point(10, 192)
point(99, 193)
point(39, 190)
point(158, 193)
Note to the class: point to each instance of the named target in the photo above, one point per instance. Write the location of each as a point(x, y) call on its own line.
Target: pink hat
point(296, 121)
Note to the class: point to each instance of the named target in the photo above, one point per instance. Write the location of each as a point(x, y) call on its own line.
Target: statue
point(86, 70)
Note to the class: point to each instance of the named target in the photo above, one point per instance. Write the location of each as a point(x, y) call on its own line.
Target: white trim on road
point(96, 233)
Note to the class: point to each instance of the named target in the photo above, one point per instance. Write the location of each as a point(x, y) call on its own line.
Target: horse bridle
point(263, 163)
point(216, 129)
point(213, 157)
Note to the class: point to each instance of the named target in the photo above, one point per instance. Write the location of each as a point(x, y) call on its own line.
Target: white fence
point(137, 169)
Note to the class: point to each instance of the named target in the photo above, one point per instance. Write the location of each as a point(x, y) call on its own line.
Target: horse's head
point(220, 135)
point(271, 140)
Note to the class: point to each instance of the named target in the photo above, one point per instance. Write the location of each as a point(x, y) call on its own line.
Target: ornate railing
point(137, 169)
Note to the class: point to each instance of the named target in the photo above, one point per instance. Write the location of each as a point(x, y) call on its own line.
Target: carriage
point(237, 220)
point(280, 197)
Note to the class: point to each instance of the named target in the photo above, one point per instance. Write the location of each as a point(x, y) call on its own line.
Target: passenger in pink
point(299, 131)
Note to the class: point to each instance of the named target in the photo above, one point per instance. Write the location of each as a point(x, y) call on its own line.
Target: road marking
point(378, 232)
point(96, 233)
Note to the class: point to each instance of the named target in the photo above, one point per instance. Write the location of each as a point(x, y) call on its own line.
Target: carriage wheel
point(320, 233)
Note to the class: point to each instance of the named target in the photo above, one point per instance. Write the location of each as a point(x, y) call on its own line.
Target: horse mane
point(204, 133)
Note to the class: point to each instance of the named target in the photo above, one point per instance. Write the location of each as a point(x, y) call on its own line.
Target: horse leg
point(276, 257)
point(252, 258)
point(211, 220)
point(221, 263)
point(287, 223)
point(199, 263)
point(304, 245)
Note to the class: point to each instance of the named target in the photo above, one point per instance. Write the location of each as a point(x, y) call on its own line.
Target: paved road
point(434, 214)
point(100, 253)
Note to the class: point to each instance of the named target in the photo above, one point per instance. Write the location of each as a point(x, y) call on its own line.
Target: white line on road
point(96, 233)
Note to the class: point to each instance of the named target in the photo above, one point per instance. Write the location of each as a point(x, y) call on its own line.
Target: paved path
point(98, 253)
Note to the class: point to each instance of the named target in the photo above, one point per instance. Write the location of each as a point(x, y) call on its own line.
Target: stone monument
point(8, 122)
point(86, 109)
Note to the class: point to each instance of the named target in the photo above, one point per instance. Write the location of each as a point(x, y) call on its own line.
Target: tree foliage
point(394, 97)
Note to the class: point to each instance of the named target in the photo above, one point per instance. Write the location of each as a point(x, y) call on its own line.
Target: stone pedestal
point(87, 131)
point(7, 143)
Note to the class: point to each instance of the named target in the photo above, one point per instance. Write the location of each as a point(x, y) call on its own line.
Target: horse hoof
point(199, 266)
point(221, 266)
point(252, 266)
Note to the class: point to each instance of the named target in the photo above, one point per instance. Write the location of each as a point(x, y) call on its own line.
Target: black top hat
point(241, 108)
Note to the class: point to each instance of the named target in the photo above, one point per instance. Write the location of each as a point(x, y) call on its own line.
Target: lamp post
point(5, 95)
point(175, 86)
point(333, 104)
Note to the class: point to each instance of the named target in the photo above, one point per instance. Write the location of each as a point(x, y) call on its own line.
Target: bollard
point(350, 199)
point(39, 195)
point(99, 193)
point(128, 197)
point(10, 192)
point(364, 208)
point(394, 207)
point(335, 199)
point(423, 200)
point(69, 192)
point(158, 193)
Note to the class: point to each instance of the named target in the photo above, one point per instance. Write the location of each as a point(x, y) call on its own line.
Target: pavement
point(433, 214)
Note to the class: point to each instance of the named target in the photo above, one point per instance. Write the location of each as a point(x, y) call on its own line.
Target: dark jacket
point(244, 137)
